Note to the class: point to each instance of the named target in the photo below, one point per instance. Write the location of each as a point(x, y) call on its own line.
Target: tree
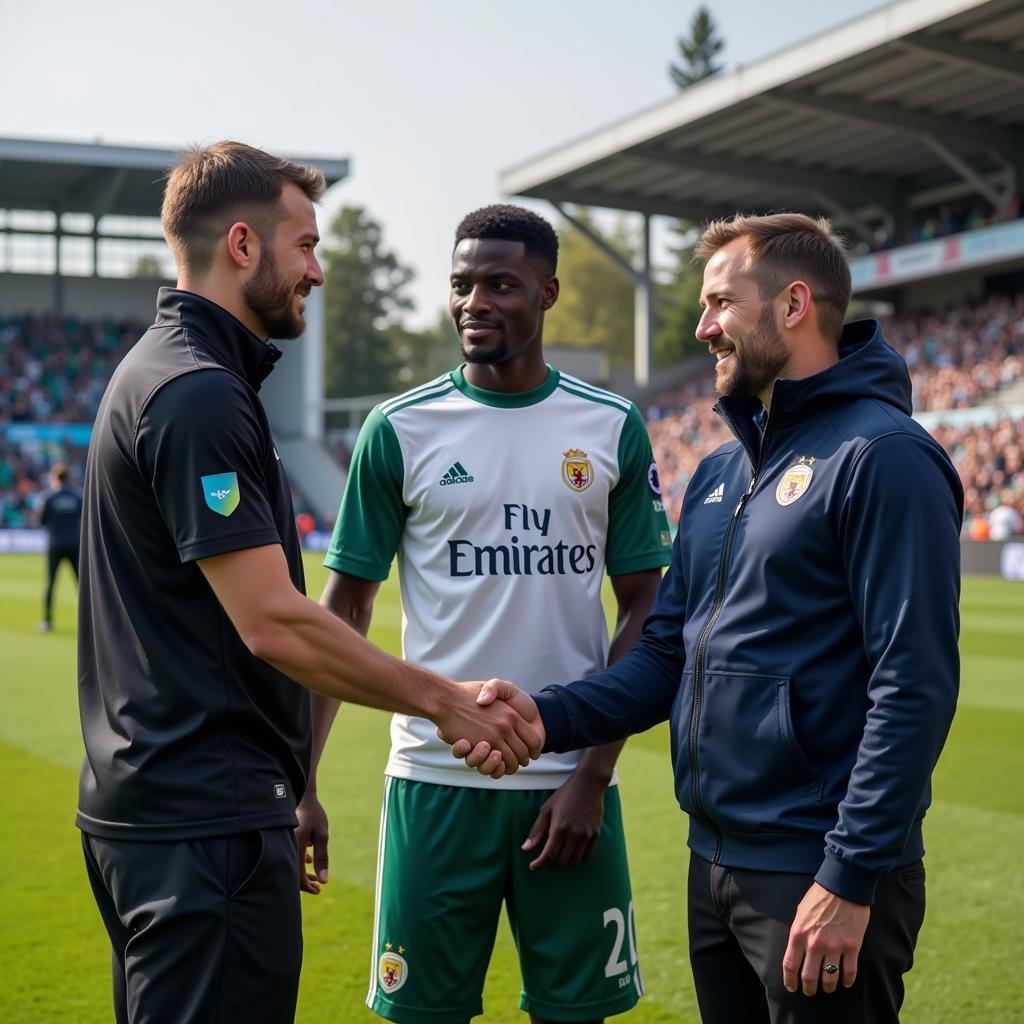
point(595, 306)
point(425, 354)
point(678, 302)
point(698, 51)
point(363, 303)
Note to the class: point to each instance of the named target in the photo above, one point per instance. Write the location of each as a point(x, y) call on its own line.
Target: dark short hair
point(60, 472)
point(513, 224)
point(788, 247)
point(211, 187)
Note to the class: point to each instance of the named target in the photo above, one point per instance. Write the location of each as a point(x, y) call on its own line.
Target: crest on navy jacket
point(795, 481)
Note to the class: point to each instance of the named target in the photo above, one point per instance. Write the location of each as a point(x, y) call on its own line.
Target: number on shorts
point(615, 965)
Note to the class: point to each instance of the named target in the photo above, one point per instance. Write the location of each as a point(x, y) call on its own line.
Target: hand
point(826, 930)
point(569, 823)
point(505, 733)
point(311, 832)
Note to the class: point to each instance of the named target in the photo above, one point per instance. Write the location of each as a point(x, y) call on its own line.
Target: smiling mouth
point(476, 328)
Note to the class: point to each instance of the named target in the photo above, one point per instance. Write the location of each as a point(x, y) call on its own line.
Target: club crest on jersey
point(392, 969)
point(577, 470)
point(221, 492)
point(795, 481)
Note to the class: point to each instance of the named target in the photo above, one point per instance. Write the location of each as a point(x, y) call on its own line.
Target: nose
point(314, 272)
point(707, 327)
point(477, 301)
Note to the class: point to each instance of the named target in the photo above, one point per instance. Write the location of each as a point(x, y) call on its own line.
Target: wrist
point(597, 776)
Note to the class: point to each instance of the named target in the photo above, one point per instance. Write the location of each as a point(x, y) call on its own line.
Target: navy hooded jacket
point(803, 643)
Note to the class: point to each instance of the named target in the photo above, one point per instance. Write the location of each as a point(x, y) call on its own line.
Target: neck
point(809, 356)
point(521, 374)
point(226, 297)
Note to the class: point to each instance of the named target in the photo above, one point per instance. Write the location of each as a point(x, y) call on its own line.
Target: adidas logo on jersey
point(716, 496)
point(456, 475)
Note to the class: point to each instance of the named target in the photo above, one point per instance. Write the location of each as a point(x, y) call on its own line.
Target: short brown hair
point(211, 187)
point(60, 472)
point(788, 247)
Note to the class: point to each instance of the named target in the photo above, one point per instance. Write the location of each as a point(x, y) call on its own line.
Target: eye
point(459, 287)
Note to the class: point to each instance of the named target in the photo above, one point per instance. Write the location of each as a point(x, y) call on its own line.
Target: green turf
point(54, 959)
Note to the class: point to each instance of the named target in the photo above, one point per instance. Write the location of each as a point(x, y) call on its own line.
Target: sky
point(429, 100)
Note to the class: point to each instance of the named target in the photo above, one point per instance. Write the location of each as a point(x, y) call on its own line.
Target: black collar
point(227, 339)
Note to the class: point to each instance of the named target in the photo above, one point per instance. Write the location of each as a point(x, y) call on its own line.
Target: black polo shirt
point(186, 733)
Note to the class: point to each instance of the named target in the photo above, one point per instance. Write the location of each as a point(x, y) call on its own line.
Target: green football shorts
point(448, 857)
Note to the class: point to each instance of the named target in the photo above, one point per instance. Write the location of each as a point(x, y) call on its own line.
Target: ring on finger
point(830, 968)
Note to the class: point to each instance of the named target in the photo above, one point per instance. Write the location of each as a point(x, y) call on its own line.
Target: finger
point(460, 748)
point(791, 961)
point(849, 965)
point(517, 753)
point(492, 764)
point(490, 692)
point(811, 972)
point(478, 754)
point(549, 856)
point(591, 847)
point(500, 767)
point(320, 858)
point(306, 881)
point(538, 830)
point(830, 979)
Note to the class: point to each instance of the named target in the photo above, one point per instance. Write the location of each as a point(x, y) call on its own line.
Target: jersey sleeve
point(369, 526)
point(201, 446)
point(638, 532)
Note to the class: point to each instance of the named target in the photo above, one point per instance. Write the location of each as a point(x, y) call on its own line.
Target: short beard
point(764, 356)
point(487, 357)
point(270, 299)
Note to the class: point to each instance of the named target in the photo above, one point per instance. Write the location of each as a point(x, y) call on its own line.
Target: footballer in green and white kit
point(505, 507)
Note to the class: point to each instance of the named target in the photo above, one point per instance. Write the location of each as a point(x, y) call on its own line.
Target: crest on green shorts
point(392, 968)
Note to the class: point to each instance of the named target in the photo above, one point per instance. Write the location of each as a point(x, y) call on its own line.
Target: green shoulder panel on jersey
point(638, 531)
point(436, 388)
point(369, 526)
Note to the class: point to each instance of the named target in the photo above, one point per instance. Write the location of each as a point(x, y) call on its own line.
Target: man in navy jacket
point(803, 644)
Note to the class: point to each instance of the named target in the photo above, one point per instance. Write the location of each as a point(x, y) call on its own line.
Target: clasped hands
point(495, 727)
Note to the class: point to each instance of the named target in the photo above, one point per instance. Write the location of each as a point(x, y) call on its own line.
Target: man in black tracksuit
point(803, 645)
point(61, 517)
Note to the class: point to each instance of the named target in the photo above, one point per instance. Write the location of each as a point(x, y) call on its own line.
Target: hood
point(868, 367)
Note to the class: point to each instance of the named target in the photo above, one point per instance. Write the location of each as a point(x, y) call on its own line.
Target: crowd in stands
point(957, 358)
point(53, 371)
point(940, 221)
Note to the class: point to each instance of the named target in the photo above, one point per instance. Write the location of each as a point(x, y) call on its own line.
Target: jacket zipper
point(702, 640)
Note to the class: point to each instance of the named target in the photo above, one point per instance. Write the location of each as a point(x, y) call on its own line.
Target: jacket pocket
point(753, 774)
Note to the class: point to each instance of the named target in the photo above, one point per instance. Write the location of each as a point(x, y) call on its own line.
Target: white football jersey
point(504, 510)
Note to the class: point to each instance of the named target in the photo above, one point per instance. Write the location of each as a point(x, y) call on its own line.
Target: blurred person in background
point(61, 518)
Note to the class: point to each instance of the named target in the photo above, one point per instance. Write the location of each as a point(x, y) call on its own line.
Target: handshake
point(494, 726)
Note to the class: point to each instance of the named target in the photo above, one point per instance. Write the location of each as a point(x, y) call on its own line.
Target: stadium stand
point(53, 371)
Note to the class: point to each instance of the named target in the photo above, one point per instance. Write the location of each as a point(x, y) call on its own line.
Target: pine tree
point(698, 51)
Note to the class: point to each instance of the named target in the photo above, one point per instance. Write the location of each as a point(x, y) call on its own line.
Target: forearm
point(324, 711)
point(318, 650)
point(625, 698)
point(598, 763)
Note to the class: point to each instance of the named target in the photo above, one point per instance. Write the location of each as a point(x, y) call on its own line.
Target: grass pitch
point(54, 956)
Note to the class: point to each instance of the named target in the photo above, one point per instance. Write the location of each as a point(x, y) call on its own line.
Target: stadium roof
point(914, 104)
point(76, 177)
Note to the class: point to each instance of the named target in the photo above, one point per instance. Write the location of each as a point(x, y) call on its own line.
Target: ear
point(549, 293)
point(797, 297)
point(243, 245)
